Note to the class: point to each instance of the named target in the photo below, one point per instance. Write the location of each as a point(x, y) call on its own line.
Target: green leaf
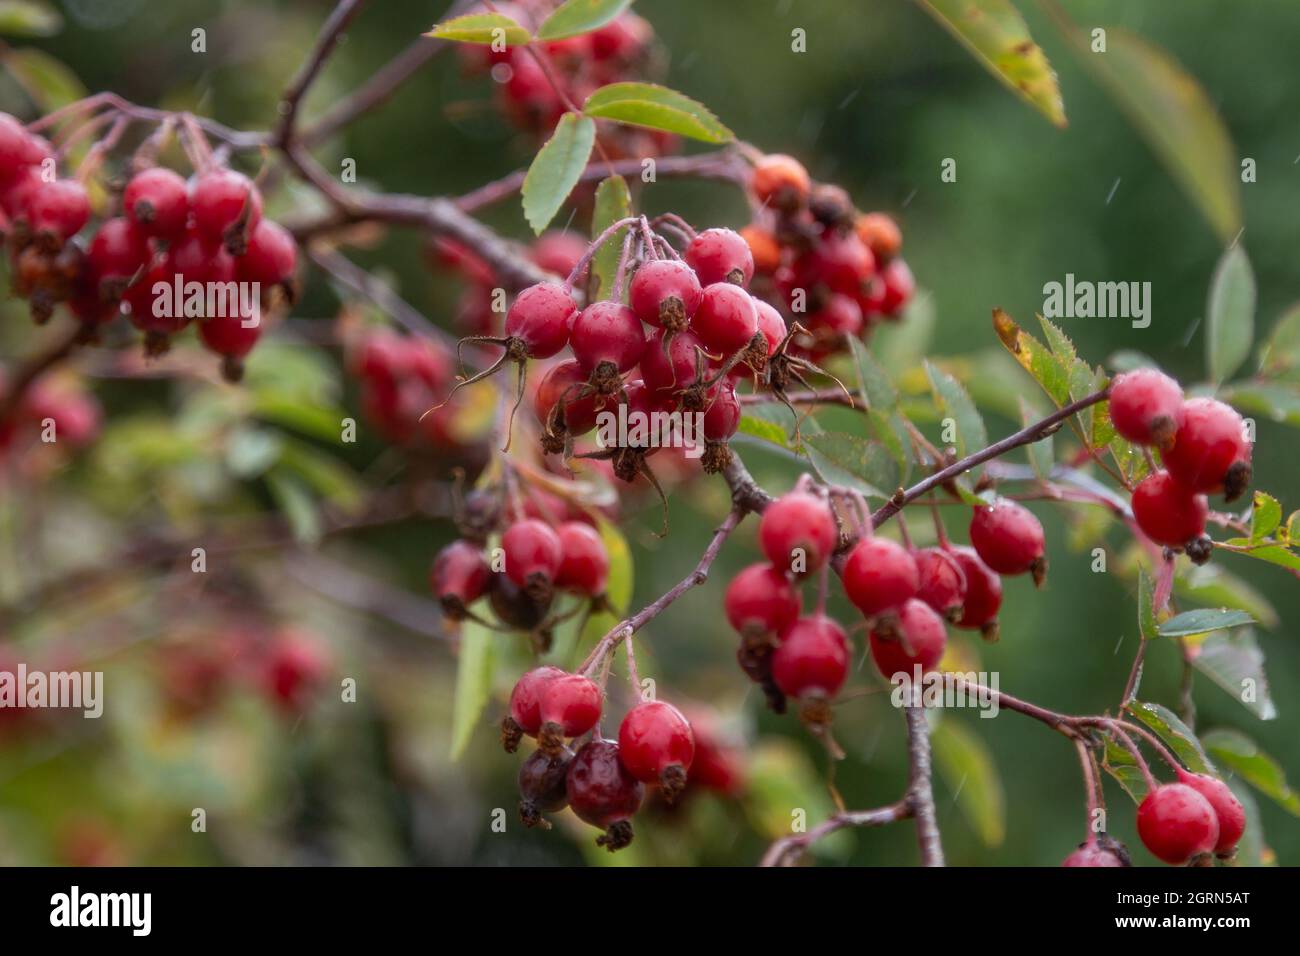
point(1212, 584)
point(1041, 456)
point(1148, 627)
point(765, 429)
point(1278, 554)
point(996, 34)
point(1203, 621)
point(876, 388)
point(781, 781)
point(1281, 353)
point(967, 767)
point(1119, 763)
point(295, 501)
point(28, 18)
point(613, 202)
point(1236, 663)
point(1238, 753)
point(900, 345)
point(314, 421)
point(48, 81)
point(575, 17)
point(1177, 735)
point(656, 107)
point(1034, 358)
point(618, 589)
point(556, 169)
point(482, 28)
point(1251, 848)
point(1279, 402)
point(330, 478)
point(955, 403)
point(1230, 314)
point(251, 451)
point(1265, 516)
point(848, 460)
point(475, 665)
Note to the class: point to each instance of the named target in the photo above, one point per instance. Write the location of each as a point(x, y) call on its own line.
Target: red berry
point(16, 193)
point(1095, 853)
point(780, 181)
point(1009, 539)
point(666, 374)
point(271, 257)
point(841, 262)
point(656, 745)
point(839, 318)
point(543, 786)
point(813, 658)
point(665, 293)
point(879, 574)
point(558, 251)
point(726, 319)
point(942, 583)
point(119, 250)
point(979, 612)
point(720, 255)
point(460, 576)
point(603, 793)
point(569, 706)
point(197, 259)
point(1227, 808)
point(231, 335)
point(1176, 823)
point(898, 286)
point(222, 199)
point(798, 532)
point(1146, 406)
point(295, 666)
point(771, 325)
point(59, 209)
point(533, 555)
point(585, 567)
point(1167, 512)
point(761, 601)
point(622, 39)
point(541, 317)
point(722, 417)
point(525, 702)
point(565, 383)
point(155, 313)
point(158, 201)
point(1210, 451)
point(607, 332)
point(764, 247)
point(918, 638)
point(15, 145)
point(880, 234)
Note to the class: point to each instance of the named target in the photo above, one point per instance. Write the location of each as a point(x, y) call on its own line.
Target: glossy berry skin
point(533, 555)
point(722, 417)
point(1146, 406)
point(1210, 451)
point(543, 785)
point(665, 293)
point(1167, 512)
point(610, 332)
point(780, 181)
point(571, 704)
point(222, 198)
point(898, 285)
point(585, 566)
point(526, 698)
point(840, 317)
point(1177, 823)
point(1227, 808)
point(158, 201)
point(983, 599)
point(1008, 538)
point(813, 658)
point(602, 793)
point(880, 574)
point(197, 259)
point(798, 533)
point(726, 319)
point(231, 335)
point(720, 255)
point(657, 745)
point(541, 317)
point(761, 600)
point(119, 250)
point(666, 374)
point(460, 576)
point(1093, 854)
point(917, 638)
point(840, 262)
point(58, 210)
point(941, 581)
point(771, 325)
point(272, 255)
point(565, 383)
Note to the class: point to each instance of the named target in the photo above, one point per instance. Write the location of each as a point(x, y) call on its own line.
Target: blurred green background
point(880, 99)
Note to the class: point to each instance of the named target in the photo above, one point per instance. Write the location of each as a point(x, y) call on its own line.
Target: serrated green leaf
point(876, 388)
point(575, 17)
point(1280, 355)
point(482, 28)
point(613, 202)
point(967, 767)
point(1238, 753)
point(656, 107)
point(1119, 763)
point(764, 429)
point(1236, 663)
point(1180, 738)
point(475, 665)
point(1034, 357)
point(1203, 621)
point(996, 34)
point(1230, 322)
point(853, 462)
point(556, 169)
point(1212, 584)
point(1278, 554)
point(48, 81)
point(1265, 516)
point(891, 431)
point(955, 403)
point(29, 18)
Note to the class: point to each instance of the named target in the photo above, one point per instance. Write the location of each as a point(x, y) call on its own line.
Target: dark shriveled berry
point(1101, 851)
point(543, 786)
point(603, 793)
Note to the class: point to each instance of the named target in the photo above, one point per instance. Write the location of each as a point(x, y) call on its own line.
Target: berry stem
point(920, 795)
point(1090, 782)
point(585, 261)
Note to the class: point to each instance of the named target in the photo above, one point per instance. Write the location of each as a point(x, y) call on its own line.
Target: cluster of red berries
point(52, 410)
point(604, 781)
point(1203, 446)
point(170, 234)
point(403, 379)
point(836, 270)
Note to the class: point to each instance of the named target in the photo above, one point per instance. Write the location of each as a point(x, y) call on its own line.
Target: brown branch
point(920, 794)
point(785, 851)
point(826, 396)
point(328, 39)
point(34, 368)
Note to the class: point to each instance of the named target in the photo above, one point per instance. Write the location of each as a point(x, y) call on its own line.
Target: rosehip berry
point(1177, 823)
point(543, 786)
point(880, 574)
point(569, 706)
point(841, 262)
point(56, 211)
point(460, 576)
point(880, 234)
point(656, 745)
point(898, 287)
point(272, 255)
point(1099, 852)
point(918, 638)
point(15, 144)
point(722, 417)
point(158, 201)
point(525, 703)
point(585, 567)
point(813, 659)
point(942, 584)
point(771, 325)
point(225, 204)
point(720, 255)
point(557, 251)
point(839, 318)
point(761, 601)
point(623, 39)
point(197, 259)
point(540, 318)
point(514, 607)
point(607, 339)
point(1227, 808)
point(1009, 539)
point(118, 252)
point(533, 555)
point(798, 533)
point(764, 247)
point(831, 206)
point(781, 182)
point(1210, 451)
point(1146, 406)
point(668, 370)
point(295, 667)
point(603, 793)
point(726, 319)
point(979, 612)
point(17, 192)
point(562, 386)
point(1167, 512)
point(233, 337)
point(665, 293)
